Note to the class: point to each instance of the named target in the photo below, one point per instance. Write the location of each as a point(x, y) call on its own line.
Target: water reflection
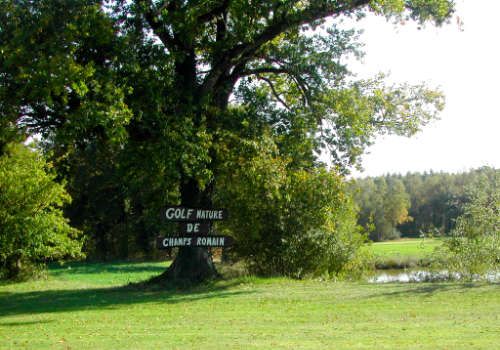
point(429, 276)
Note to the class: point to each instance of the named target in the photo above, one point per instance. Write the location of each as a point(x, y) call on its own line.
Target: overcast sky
point(464, 62)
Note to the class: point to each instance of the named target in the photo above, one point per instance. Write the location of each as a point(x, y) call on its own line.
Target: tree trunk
point(13, 266)
point(192, 264)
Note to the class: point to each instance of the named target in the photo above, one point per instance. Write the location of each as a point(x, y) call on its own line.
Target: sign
point(194, 214)
point(194, 227)
point(193, 241)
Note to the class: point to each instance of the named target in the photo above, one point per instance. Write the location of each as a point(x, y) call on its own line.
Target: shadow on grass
point(97, 268)
point(23, 323)
point(38, 302)
point(424, 289)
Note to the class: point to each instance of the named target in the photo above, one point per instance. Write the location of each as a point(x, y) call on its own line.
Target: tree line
point(416, 204)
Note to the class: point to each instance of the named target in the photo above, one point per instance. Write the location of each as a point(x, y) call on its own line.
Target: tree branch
point(312, 13)
point(146, 7)
point(245, 51)
point(213, 13)
point(263, 70)
point(275, 93)
point(279, 70)
point(306, 99)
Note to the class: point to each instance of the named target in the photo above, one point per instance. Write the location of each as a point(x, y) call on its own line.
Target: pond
point(415, 276)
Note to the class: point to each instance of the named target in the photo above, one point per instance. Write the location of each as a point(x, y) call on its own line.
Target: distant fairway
point(403, 253)
point(83, 306)
point(417, 248)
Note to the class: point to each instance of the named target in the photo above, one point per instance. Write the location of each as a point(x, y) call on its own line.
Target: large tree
point(168, 82)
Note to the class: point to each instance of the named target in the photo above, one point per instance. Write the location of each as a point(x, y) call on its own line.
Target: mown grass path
point(85, 307)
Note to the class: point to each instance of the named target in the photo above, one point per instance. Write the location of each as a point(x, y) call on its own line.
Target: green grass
point(418, 248)
point(106, 274)
point(403, 253)
point(83, 306)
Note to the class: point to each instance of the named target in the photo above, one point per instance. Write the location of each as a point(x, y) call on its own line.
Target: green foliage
point(291, 222)
point(383, 204)
point(116, 202)
point(436, 201)
point(319, 235)
point(437, 11)
point(474, 245)
point(53, 59)
point(415, 204)
point(32, 227)
point(356, 112)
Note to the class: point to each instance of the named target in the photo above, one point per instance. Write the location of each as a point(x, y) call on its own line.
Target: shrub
point(289, 222)
point(474, 245)
point(32, 227)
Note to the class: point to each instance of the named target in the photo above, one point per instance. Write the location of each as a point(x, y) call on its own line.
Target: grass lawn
point(403, 253)
point(85, 307)
point(417, 248)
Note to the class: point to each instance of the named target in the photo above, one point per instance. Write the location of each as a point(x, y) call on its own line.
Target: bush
point(32, 227)
point(474, 245)
point(289, 222)
point(324, 238)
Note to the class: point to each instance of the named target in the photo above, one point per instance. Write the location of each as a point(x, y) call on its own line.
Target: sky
point(463, 61)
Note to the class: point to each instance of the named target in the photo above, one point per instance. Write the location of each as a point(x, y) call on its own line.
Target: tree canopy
point(87, 67)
